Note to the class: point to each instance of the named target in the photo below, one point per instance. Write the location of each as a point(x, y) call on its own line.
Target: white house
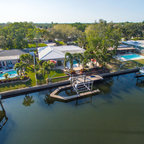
point(8, 58)
point(57, 52)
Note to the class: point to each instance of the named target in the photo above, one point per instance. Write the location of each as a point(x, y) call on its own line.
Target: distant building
point(8, 58)
point(122, 49)
point(136, 43)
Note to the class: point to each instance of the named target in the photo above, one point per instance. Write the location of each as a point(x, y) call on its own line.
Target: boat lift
point(81, 84)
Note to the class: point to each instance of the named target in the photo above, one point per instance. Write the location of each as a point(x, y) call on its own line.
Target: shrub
point(37, 67)
point(72, 72)
point(42, 45)
point(24, 77)
point(82, 71)
point(35, 45)
point(60, 43)
point(39, 75)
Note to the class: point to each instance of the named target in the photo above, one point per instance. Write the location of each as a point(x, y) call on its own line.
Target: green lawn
point(18, 85)
point(141, 61)
point(32, 81)
point(116, 65)
point(52, 74)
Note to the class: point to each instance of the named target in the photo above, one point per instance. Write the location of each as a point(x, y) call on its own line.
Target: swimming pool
point(75, 64)
point(128, 57)
point(12, 73)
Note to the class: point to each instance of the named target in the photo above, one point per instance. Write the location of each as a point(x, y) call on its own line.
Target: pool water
point(132, 56)
point(75, 64)
point(114, 116)
point(12, 73)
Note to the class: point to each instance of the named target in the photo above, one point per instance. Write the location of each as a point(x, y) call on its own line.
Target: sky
point(69, 11)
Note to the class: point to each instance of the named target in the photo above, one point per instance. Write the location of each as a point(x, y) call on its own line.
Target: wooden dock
point(54, 94)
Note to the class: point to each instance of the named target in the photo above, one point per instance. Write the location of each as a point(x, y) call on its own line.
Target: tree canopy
point(16, 35)
point(99, 38)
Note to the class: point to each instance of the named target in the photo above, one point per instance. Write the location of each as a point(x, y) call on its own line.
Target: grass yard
point(52, 74)
point(141, 61)
point(18, 85)
point(116, 65)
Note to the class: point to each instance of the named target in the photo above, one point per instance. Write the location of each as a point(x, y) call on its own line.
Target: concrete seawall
point(13, 93)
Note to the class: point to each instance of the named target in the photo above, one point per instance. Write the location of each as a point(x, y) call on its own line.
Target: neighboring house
point(139, 44)
point(57, 52)
point(8, 58)
point(122, 49)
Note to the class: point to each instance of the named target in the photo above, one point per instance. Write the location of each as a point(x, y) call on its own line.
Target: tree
point(81, 59)
point(2, 42)
point(47, 66)
point(16, 35)
point(20, 68)
point(6, 75)
point(100, 38)
point(82, 41)
point(27, 59)
point(28, 100)
point(65, 32)
point(69, 58)
point(49, 100)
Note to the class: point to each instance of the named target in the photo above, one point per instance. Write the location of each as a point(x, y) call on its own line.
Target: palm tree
point(20, 67)
point(27, 59)
point(69, 58)
point(28, 100)
point(49, 100)
point(76, 57)
point(51, 64)
point(6, 75)
point(46, 67)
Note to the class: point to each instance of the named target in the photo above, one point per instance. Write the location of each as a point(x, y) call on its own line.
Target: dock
point(54, 94)
point(82, 85)
point(95, 77)
point(17, 92)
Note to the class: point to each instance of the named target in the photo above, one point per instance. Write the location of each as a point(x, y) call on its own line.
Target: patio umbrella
point(53, 61)
point(93, 60)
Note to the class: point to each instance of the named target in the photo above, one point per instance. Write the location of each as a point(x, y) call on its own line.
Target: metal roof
point(57, 52)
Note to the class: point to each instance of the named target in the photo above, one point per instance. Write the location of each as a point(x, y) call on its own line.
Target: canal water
point(114, 116)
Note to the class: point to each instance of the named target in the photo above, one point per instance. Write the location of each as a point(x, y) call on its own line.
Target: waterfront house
point(124, 49)
point(8, 58)
point(57, 53)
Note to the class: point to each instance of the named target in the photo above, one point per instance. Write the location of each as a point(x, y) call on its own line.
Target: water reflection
point(105, 86)
point(28, 100)
point(48, 100)
point(140, 82)
point(87, 100)
point(3, 117)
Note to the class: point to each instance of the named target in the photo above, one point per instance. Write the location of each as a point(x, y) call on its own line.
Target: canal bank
point(16, 92)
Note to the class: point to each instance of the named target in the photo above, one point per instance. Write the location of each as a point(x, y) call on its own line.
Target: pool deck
point(119, 57)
